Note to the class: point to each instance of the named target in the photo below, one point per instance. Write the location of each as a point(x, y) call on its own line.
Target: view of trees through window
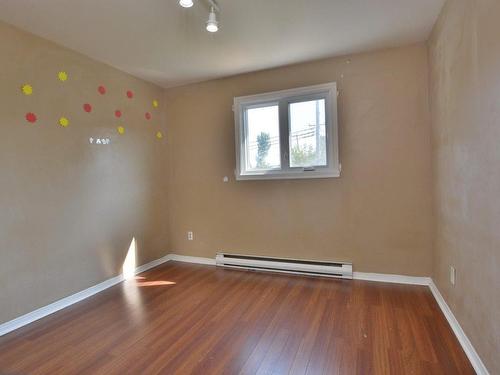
point(263, 146)
point(263, 138)
point(307, 135)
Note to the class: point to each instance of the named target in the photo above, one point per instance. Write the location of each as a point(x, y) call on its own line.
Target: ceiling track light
point(212, 23)
point(186, 3)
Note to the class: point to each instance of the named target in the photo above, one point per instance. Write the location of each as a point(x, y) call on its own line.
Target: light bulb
point(186, 3)
point(212, 24)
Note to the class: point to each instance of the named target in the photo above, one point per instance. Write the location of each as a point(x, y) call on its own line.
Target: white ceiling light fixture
point(186, 3)
point(212, 24)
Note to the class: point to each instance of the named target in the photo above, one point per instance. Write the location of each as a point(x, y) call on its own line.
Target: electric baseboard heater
point(297, 266)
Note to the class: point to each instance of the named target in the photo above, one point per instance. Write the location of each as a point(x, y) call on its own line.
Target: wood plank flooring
point(193, 319)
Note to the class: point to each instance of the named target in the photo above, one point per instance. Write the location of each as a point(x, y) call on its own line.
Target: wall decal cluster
point(63, 121)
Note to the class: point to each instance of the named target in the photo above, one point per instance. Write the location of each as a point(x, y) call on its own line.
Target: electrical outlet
point(190, 236)
point(453, 275)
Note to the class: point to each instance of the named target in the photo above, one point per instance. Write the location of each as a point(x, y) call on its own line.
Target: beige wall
point(68, 210)
point(378, 214)
point(465, 102)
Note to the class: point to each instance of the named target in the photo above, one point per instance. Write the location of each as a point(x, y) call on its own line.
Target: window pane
point(307, 133)
point(263, 138)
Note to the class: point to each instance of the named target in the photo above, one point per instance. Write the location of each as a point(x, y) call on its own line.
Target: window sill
point(301, 175)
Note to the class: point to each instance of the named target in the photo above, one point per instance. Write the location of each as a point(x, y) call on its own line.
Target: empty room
point(249, 187)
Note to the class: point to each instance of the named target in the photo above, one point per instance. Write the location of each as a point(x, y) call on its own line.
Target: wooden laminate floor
point(192, 319)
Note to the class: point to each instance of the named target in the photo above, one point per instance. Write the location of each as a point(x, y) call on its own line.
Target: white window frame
point(327, 91)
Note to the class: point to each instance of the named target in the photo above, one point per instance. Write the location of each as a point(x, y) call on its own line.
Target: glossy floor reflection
point(193, 319)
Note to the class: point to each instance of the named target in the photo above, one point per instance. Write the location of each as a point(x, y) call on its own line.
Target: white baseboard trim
point(469, 350)
point(152, 264)
point(389, 278)
point(190, 259)
point(58, 305)
point(72, 299)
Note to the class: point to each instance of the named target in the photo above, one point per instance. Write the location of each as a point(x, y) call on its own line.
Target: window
point(263, 137)
point(287, 134)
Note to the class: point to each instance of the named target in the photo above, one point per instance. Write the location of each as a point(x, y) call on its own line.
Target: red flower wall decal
point(31, 117)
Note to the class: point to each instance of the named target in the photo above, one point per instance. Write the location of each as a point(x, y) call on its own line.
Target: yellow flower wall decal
point(159, 135)
point(64, 122)
point(63, 76)
point(27, 89)
point(121, 130)
point(155, 103)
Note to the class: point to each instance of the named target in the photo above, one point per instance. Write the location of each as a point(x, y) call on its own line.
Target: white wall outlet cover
point(190, 236)
point(225, 179)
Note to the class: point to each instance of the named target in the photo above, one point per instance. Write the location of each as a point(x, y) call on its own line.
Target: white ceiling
point(159, 41)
